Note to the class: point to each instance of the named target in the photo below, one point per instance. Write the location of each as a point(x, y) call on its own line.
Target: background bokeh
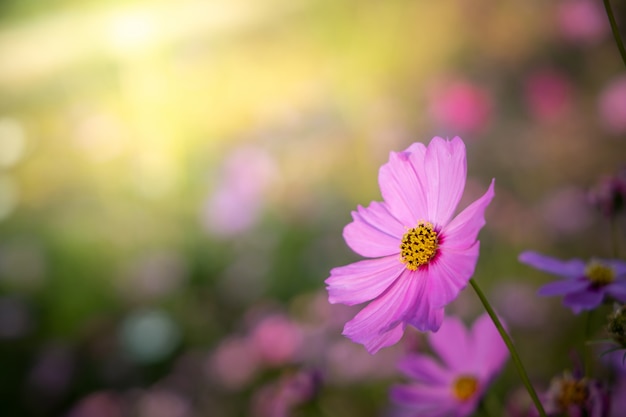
point(175, 176)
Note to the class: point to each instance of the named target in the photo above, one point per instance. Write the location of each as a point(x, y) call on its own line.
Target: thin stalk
point(587, 346)
point(509, 344)
point(615, 30)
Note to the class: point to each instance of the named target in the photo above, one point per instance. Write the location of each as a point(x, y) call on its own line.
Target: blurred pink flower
point(612, 106)
point(515, 300)
point(99, 404)
point(163, 403)
point(279, 398)
point(276, 339)
point(470, 359)
point(424, 258)
point(234, 363)
point(548, 94)
point(459, 105)
point(582, 21)
point(235, 205)
point(349, 364)
point(565, 211)
point(609, 194)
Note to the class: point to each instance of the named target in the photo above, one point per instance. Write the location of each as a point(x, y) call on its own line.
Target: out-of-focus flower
point(618, 397)
point(470, 359)
point(565, 211)
point(424, 258)
point(612, 106)
point(99, 404)
point(609, 194)
point(15, 318)
point(586, 285)
point(236, 203)
point(276, 339)
point(576, 397)
point(459, 105)
point(582, 21)
point(234, 363)
point(148, 336)
point(51, 374)
point(154, 275)
point(280, 398)
point(350, 364)
point(548, 95)
point(163, 403)
point(515, 301)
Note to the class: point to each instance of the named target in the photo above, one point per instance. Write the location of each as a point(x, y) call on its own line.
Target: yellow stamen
point(600, 275)
point(419, 245)
point(464, 387)
point(573, 392)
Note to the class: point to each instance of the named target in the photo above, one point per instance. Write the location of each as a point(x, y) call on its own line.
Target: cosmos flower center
point(599, 275)
point(464, 387)
point(573, 392)
point(419, 245)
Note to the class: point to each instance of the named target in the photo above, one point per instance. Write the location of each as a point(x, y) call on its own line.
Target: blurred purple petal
point(568, 269)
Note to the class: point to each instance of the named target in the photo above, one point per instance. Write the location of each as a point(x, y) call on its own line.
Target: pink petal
point(574, 268)
point(563, 286)
point(450, 273)
point(446, 170)
point(423, 368)
point(381, 322)
point(374, 231)
point(490, 351)
point(425, 400)
point(453, 344)
point(401, 188)
point(422, 315)
point(362, 281)
point(463, 230)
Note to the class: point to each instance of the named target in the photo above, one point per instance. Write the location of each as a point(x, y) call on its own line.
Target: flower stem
point(509, 344)
point(587, 347)
point(614, 29)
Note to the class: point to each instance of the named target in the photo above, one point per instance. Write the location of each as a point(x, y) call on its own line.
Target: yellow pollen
point(573, 392)
point(464, 387)
point(600, 275)
point(419, 245)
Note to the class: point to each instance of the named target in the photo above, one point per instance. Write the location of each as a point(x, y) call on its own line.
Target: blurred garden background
point(175, 176)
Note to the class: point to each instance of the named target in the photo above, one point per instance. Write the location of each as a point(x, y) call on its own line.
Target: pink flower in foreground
point(585, 285)
point(470, 359)
point(423, 257)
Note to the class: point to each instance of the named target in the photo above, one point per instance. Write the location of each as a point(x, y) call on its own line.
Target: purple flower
point(586, 285)
point(470, 359)
point(575, 396)
point(423, 257)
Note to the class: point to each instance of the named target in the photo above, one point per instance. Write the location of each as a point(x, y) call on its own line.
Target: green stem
point(614, 29)
point(509, 344)
point(587, 347)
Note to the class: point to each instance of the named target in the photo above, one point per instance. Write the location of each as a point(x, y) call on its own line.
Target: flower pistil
point(464, 387)
point(599, 274)
point(419, 245)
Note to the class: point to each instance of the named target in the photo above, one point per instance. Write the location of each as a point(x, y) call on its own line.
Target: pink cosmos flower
point(422, 256)
point(470, 359)
point(586, 285)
